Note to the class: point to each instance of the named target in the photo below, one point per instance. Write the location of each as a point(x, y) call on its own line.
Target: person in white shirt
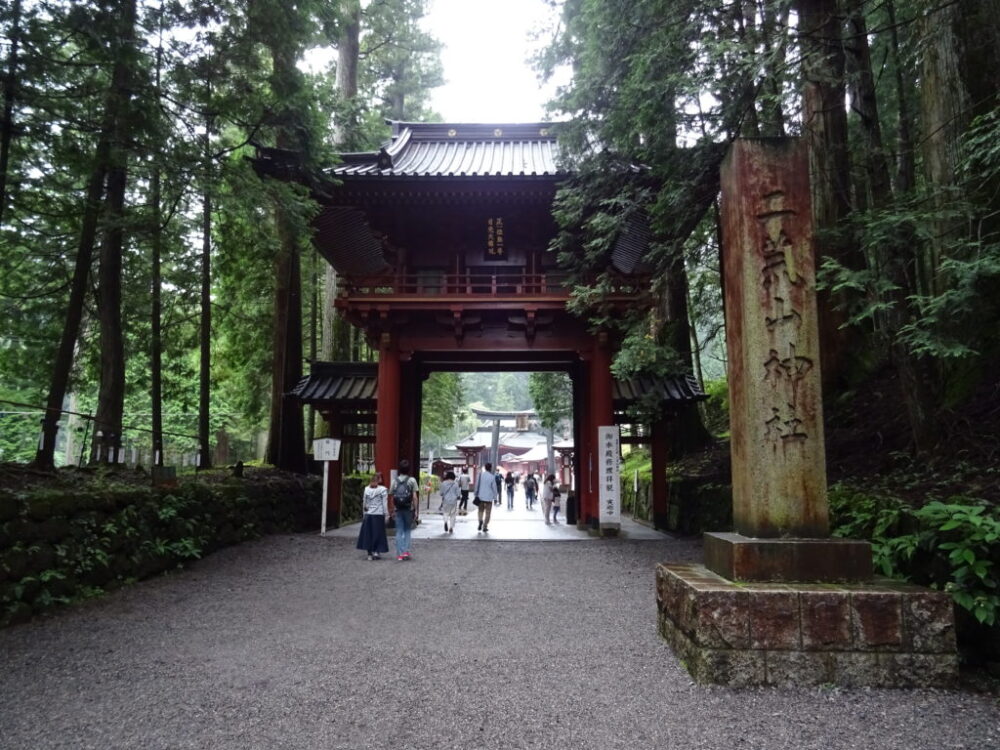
point(464, 484)
point(374, 503)
point(449, 501)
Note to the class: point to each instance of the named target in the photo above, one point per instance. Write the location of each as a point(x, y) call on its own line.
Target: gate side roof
point(355, 385)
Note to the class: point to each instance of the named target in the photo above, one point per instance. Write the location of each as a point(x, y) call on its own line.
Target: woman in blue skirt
point(374, 502)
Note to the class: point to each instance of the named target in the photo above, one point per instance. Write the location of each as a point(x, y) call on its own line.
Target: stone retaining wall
point(62, 545)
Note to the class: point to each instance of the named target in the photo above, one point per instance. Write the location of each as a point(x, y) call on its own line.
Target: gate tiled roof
point(428, 150)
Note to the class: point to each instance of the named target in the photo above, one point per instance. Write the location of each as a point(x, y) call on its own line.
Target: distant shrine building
point(439, 240)
point(515, 441)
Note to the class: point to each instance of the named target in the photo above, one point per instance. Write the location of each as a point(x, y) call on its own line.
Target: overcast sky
point(486, 45)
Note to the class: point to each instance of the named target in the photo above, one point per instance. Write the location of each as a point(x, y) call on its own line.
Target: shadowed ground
point(299, 642)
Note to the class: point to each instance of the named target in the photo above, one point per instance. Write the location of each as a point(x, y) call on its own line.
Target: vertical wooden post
point(658, 451)
point(334, 490)
point(387, 417)
point(581, 438)
point(411, 390)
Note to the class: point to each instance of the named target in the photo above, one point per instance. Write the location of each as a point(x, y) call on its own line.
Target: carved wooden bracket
point(458, 322)
point(531, 322)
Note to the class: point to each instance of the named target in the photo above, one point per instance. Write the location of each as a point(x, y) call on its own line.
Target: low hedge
point(62, 545)
point(352, 490)
point(695, 504)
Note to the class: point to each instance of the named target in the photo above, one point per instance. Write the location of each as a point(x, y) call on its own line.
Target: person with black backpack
point(404, 496)
point(530, 486)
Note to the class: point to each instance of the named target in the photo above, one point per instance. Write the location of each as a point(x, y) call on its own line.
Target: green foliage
point(429, 484)
point(969, 533)
point(63, 545)
point(879, 518)
point(717, 406)
point(939, 321)
point(352, 491)
point(643, 144)
point(642, 354)
point(505, 391)
point(400, 62)
point(638, 459)
point(198, 67)
point(697, 503)
point(552, 398)
point(952, 545)
point(443, 400)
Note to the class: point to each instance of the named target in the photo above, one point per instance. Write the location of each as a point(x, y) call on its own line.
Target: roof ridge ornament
point(384, 159)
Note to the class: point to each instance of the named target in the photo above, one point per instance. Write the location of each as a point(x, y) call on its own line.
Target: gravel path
point(298, 642)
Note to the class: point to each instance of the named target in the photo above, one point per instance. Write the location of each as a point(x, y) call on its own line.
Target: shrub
point(952, 545)
point(716, 407)
point(353, 487)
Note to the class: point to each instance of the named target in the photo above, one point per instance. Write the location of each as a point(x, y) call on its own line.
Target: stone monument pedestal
point(877, 634)
point(829, 560)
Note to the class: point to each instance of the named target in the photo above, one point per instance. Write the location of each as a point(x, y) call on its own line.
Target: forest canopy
point(898, 102)
point(143, 260)
point(147, 274)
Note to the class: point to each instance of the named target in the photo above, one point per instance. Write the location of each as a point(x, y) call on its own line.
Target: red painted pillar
point(412, 388)
point(661, 498)
point(602, 413)
point(387, 417)
point(581, 410)
point(334, 486)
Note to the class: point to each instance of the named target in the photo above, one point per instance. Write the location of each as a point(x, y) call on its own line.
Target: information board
point(326, 449)
point(609, 476)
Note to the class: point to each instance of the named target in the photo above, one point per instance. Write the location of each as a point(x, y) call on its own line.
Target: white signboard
point(609, 476)
point(326, 449)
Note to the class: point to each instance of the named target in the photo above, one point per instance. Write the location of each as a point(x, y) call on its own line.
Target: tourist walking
point(548, 495)
point(405, 496)
point(374, 504)
point(487, 493)
point(464, 483)
point(498, 478)
point(530, 487)
point(511, 483)
point(449, 501)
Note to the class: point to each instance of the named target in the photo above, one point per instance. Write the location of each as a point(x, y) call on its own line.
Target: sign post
point(325, 450)
point(609, 480)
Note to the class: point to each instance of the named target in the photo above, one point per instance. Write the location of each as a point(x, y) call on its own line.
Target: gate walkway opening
point(517, 525)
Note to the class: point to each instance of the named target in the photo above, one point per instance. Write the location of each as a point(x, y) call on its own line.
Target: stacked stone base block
point(879, 634)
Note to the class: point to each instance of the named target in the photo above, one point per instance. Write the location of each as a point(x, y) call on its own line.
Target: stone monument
point(780, 601)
